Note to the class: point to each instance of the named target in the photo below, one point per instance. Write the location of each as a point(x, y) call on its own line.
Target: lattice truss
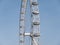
point(35, 22)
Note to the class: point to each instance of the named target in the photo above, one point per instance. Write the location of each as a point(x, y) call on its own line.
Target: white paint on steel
point(35, 22)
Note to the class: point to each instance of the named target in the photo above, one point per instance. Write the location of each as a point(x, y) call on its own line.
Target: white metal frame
point(35, 22)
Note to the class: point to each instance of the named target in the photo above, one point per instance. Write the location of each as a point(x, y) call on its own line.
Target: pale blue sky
point(50, 22)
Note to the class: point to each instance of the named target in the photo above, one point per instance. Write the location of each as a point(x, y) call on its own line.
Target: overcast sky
point(50, 22)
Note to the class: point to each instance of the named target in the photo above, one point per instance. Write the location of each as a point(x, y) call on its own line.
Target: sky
point(49, 18)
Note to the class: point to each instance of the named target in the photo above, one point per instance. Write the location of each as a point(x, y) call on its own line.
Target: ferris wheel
point(35, 23)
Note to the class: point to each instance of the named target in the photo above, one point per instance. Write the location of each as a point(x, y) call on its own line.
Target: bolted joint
point(32, 35)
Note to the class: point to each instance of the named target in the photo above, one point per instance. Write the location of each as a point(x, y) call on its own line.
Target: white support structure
point(22, 22)
point(35, 23)
point(27, 34)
